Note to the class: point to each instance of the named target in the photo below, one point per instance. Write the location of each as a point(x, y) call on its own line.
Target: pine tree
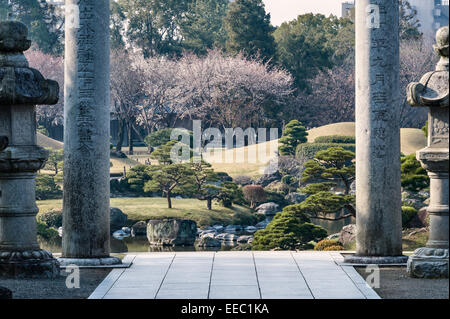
point(249, 29)
point(45, 26)
point(293, 135)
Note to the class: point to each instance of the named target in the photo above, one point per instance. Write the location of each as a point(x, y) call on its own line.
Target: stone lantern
point(433, 91)
point(21, 89)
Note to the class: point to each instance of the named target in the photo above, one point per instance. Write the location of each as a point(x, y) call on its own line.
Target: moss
point(326, 243)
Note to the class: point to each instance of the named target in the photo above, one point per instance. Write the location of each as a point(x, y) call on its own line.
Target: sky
point(287, 10)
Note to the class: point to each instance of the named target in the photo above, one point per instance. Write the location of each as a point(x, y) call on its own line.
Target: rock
point(230, 237)
point(172, 232)
point(421, 219)
point(268, 209)
point(244, 239)
point(296, 198)
point(120, 234)
point(218, 227)
point(418, 231)
point(139, 229)
point(117, 219)
point(233, 228)
point(118, 154)
point(266, 179)
point(207, 233)
point(353, 188)
point(227, 237)
point(250, 229)
point(209, 241)
point(333, 236)
point(250, 240)
point(262, 225)
point(5, 293)
point(347, 234)
point(126, 230)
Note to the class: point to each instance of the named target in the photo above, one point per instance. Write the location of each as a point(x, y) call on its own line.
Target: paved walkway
point(235, 275)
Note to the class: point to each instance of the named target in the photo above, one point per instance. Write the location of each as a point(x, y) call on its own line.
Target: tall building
point(346, 8)
point(432, 14)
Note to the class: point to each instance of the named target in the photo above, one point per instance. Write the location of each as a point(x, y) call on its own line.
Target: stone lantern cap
point(20, 84)
point(433, 88)
point(13, 37)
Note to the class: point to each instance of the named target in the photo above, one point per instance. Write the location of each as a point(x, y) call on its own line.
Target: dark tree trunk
point(130, 140)
point(169, 200)
point(209, 203)
point(120, 136)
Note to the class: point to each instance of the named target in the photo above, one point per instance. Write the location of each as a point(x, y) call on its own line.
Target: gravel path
point(56, 288)
point(395, 284)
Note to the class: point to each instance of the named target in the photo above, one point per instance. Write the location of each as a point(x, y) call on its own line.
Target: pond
point(133, 244)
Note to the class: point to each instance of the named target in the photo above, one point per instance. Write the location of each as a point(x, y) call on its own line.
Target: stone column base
point(428, 263)
point(28, 264)
point(375, 260)
point(90, 262)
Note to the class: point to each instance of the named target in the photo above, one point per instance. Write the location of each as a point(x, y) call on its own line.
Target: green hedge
point(408, 213)
point(52, 218)
point(308, 150)
point(336, 139)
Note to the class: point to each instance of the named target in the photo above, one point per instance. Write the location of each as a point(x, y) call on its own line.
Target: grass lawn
point(154, 208)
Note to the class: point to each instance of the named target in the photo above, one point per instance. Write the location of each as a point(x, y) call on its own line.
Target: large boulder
point(348, 234)
point(139, 229)
point(266, 179)
point(117, 219)
point(209, 241)
point(421, 219)
point(172, 232)
point(268, 209)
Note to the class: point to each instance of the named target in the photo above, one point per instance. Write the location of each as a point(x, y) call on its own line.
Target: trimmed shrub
point(323, 244)
point(46, 232)
point(333, 248)
point(408, 213)
point(307, 151)
point(46, 188)
point(52, 218)
point(336, 139)
point(288, 230)
point(254, 194)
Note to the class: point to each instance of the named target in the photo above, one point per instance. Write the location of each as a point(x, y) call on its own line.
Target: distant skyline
point(287, 10)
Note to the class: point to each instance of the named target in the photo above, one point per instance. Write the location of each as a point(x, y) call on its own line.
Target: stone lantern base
point(428, 263)
point(376, 260)
point(90, 262)
point(28, 264)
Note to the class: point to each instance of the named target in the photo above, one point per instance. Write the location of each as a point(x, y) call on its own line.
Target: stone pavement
point(235, 275)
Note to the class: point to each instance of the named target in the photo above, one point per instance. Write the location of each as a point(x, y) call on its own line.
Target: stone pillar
point(86, 207)
point(432, 91)
point(378, 188)
point(21, 88)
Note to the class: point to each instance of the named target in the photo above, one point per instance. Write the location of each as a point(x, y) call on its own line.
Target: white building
point(432, 14)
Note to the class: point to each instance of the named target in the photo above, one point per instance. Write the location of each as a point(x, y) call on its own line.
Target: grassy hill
point(154, 208)
point(411, 141)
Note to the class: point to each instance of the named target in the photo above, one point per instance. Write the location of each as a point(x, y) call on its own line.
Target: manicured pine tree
point(293, 135)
